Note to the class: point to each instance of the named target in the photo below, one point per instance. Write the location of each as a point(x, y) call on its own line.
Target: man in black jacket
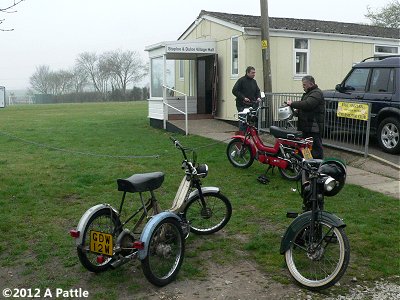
point(247, 92)
point(311, 112)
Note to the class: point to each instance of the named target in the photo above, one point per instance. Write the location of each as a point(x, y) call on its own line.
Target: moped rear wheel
point(318, 263)
point(239, 154)
point(104, 222)
point(165, 253)
point(208, 218)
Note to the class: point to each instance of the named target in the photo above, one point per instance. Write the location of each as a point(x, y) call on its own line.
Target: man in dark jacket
point(247, 92)
point(311, 112)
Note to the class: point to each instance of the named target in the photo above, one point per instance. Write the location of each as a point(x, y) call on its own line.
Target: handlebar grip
point(176, 142)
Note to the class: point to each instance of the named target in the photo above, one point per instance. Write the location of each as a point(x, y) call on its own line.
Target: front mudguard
point(149, 229)
point(86, 217)
point(204, 190)
point(301, 221)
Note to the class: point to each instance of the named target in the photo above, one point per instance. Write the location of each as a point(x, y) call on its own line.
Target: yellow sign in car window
point(352, 110)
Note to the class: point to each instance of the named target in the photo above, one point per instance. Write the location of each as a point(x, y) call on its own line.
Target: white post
point(186, 116)
point(165, 107)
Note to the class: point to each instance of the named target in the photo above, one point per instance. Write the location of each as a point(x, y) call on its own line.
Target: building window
point(181, 69)
point(235, 56)
point(301, 54)
point(157, 75)
point(386, 50)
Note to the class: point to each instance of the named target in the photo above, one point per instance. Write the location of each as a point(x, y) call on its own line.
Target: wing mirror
point(340, 88)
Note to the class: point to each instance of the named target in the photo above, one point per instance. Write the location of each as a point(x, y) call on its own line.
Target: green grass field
point(56, 161)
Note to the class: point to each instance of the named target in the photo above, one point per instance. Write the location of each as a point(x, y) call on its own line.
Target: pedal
point(291, 214)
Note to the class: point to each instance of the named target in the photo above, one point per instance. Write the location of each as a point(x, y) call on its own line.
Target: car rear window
point(382, 80)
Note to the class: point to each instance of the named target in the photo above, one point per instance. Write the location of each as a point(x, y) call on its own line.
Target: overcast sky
point(54, 32)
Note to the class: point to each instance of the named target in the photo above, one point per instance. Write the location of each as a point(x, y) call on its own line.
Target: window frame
point(234, 75)
point(377, 53)
point(181, 70)
point(299, 76)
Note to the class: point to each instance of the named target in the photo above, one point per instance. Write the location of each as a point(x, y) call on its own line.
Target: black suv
point(376, 80)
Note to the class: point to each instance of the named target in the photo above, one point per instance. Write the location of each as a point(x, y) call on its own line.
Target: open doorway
point(206, 84)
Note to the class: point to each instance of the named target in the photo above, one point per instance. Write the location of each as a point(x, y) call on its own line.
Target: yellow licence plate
point(306, 153)
point(101, 243)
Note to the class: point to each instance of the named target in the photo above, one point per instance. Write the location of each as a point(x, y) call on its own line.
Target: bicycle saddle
point(283, 133)
point(141, 182)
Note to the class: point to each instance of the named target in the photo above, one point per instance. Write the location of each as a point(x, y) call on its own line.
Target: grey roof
point(307, 25)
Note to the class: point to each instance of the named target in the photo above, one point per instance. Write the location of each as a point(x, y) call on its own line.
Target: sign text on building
point(190, 48)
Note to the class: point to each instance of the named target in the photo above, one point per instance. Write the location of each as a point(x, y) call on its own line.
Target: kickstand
point(270, 168)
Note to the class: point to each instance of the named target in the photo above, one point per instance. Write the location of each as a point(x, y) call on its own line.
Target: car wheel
point(388, 135)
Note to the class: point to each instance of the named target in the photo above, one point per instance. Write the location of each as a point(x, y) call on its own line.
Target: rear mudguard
point(149, 229)
point(304, 219)
point(248, 142)
point(86, 216)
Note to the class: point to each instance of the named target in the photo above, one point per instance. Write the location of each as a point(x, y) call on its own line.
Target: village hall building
point(213, 52)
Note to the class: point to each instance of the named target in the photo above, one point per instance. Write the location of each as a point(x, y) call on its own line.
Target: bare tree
point(9, 10)
point(40, 80)
point(91, 64)
point(388, 16)
point(124, 67)
point(79, 79)
point(60, 82)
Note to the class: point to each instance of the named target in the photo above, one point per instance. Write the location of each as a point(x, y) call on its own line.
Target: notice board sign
point(352, 110)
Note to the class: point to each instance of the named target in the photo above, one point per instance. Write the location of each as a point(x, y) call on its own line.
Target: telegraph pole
point(265, 46)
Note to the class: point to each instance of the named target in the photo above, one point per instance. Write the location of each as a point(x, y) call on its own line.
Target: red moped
point(247, 146)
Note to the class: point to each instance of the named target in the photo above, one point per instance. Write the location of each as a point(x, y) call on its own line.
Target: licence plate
point(306, 153)
point(101, 243)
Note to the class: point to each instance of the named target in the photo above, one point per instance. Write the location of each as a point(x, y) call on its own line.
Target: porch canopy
point(172, 50)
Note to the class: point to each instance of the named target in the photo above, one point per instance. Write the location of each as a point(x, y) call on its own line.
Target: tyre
point(165, 253)
point(239, 154)
point(388, 135)
point(293, 170)
point(211, 218)
point(319, 264)
point(104, 221)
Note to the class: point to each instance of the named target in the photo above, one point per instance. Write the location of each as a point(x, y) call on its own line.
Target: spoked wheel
point(293, 170)
point(239, 154)
point(211, 217)
point(164, 253)
point(99, 240)
point(320, 262)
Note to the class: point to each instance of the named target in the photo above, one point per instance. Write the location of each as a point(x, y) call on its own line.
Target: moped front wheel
point(318, 262)
point(292, 171)
point(209, 216)
point(99, 238)
point(165, 253)
point(239, 154)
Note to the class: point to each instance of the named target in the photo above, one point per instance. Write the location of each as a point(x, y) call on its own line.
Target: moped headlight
point(202, 170)
point(329, 184)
